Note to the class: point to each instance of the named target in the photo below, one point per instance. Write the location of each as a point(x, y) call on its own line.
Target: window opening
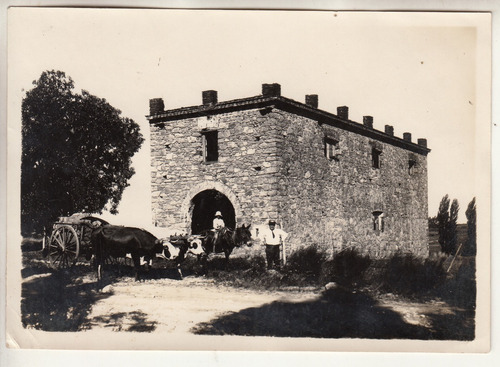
point(378, 221)
point(411, 166)
point(210, 146)
point(332, 149)
point(376, 157)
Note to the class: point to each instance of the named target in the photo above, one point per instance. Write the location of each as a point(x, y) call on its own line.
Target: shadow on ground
point(126, 321)
point(459, 325)
point(61, 300)
point(58, 300)
point(337, 313)
point(161, 269)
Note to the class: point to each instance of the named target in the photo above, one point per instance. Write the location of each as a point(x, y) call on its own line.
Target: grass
point(401, 274)
point(410, 276)
point(31, 244)
point(404, 275)
point(347, 268)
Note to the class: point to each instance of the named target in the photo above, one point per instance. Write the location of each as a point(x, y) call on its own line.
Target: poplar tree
point(452, 227)
point(447, 224)
point(443, 217)
point(470, 213)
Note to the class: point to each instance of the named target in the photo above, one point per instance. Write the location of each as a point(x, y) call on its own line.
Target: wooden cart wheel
point(64, 247)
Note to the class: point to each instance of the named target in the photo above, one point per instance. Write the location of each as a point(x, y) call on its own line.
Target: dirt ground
point(168, 305)
point(70, 300)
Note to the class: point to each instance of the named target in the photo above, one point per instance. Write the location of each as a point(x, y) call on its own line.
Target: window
point(376, 157)
point(412, 164)
point(210, 146)
point(332, 149)
point(378, 221)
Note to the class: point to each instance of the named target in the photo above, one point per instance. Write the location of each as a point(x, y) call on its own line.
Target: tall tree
point(470, 213)
point(452, 227)
point(443, 217)
point(76, 154)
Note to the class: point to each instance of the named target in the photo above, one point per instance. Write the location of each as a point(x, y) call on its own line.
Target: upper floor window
point(331, 148)
point(378, 221)
point(412, 164)
point(210, 143)
point(376, 153)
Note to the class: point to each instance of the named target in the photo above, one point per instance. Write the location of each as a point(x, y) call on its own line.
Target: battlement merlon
point(271, 98)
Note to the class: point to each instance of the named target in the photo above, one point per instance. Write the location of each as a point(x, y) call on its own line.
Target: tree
point(470, 213)
point(452, 227)
point(443, 217)
point(76, 152)
point(447, 224)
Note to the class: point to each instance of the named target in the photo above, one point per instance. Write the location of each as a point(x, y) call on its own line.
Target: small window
point(378, 221)
point(376, 157)
point(332, 149)
point(412, 164)
point(210, 146)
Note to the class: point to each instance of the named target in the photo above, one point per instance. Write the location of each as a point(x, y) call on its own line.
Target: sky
point(420, 73)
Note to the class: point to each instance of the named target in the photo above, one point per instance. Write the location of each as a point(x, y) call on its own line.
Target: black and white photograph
point(184, 179)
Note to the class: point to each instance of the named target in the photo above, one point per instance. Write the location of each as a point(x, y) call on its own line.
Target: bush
point(306, 261)
point(347, 267)
point(409, 275)
point(31, 244)
point(459, 289)
point(255, 264)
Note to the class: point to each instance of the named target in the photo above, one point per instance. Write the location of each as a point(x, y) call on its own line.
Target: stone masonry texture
point(272, 165)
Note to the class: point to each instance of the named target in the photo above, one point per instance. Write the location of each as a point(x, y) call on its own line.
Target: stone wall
point(272, 165)
point(246, 171)
point(331, 202)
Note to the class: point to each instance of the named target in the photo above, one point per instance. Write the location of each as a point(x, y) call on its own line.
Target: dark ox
point(117, 241)
point(225, 242)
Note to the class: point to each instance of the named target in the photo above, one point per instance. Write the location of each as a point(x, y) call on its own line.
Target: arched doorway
point(203, 207)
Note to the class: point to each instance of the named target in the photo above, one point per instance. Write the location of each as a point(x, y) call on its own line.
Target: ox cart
point(69, 239)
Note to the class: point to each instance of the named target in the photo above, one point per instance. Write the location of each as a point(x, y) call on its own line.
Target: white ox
point(182, 245)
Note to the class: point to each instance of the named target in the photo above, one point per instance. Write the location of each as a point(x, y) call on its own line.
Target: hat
point(272, 222)
point(218, 214)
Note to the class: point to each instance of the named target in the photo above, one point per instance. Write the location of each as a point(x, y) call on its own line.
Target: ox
point(180, 246)
point(117, 241)
point(175, 249)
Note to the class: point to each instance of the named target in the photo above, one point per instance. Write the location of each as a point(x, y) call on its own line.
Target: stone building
point(325, 179)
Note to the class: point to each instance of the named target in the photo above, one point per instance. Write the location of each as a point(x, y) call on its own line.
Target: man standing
point(273, 237)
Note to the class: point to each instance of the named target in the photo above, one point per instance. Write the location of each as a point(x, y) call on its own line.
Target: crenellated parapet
point(271, 97)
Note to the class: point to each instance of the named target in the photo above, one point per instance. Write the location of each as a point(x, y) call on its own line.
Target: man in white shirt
point(218, 222)
point(273, 237)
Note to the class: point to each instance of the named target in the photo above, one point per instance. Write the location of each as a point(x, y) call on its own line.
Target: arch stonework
point(209, 185)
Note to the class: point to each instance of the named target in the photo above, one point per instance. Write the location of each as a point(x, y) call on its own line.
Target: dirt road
point(168, 305)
